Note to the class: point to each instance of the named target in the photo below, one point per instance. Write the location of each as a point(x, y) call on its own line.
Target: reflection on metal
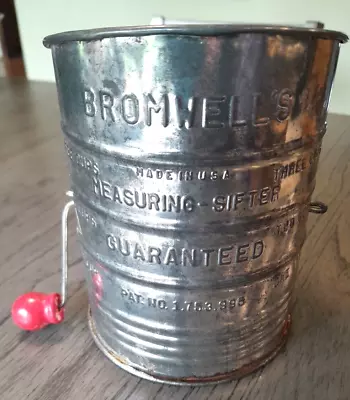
point(317, 207)
point(193, 156)
point(64, 250)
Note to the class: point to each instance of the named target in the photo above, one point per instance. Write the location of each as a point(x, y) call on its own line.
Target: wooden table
point(62, 362)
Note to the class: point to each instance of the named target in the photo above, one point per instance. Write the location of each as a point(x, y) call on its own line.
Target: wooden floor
point(62, 362)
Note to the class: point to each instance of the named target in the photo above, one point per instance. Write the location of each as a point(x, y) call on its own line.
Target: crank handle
point(34, 310)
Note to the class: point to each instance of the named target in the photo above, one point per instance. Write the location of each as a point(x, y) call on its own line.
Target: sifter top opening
point(192, 30)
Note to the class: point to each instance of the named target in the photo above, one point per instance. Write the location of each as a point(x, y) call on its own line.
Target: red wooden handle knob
point(33, 311)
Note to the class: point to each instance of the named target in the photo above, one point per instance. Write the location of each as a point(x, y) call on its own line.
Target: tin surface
point(193, 154)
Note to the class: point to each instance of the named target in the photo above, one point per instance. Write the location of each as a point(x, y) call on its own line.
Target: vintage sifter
point(193, 152)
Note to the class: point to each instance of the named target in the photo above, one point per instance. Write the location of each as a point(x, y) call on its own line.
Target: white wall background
point(38, 18)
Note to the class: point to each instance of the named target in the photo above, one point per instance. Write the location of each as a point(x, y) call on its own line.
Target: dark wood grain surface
point(62, 362)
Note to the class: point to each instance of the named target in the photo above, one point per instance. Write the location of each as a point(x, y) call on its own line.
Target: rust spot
point(286, 326)
point(117, 358)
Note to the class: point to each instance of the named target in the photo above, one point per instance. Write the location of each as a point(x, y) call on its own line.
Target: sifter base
point(186, 381)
